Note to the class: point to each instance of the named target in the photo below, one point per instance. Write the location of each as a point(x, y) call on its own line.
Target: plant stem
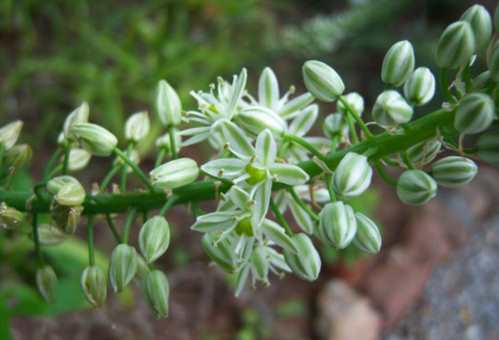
point(168, 204)
point(444, 84)
point(128, 223)
point(355, 116)
point(173, 142)
point(351, 129)
point(161, 155)
point(302, 204)
point(124, 169)
point(306, 145)
point(135, 168)
point(90, 240)
point(36, 239)
point(384, 144)
point(112, 226)
point(65, 161)
point(109, 176)
point(384, 175)
point(280, 218)
point(50, 164)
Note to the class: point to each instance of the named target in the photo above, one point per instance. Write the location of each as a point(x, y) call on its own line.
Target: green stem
point(168, 204)
point(50, 164)
point(385, 144)
point(161, 155)
point(135, 168)
point(355, 116)
point(444, 84)
point(90, 240)
point(351, 129)
point(280, 218)
point(384, 175)
point(302, 204)
point(112, 226)
point(407, 160)
point(124, 169)
point(306, 145)
point(65, 161)
point(36, 239)
point(109, 176)
point(128, 223)
point(173, 142)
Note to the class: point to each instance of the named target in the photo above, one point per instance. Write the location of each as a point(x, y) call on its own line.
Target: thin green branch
point(128, 223)
point(135, 168)
point(65, 161)
point(384, 175)
point(109, 176)
point(306, 145)
point(302, 204)
point(280, 218)
point(168, 204)
point(161, 156)
point(90, 240)
point(112, 226)
point(173, 142)
point(355, 116)
point(50, 164)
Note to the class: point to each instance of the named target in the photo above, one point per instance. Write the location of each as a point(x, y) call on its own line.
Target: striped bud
point(488, 147)
point(10, 218)
point(67, 190)
point(322, 81)
point(78, 159)
point(18, 156)
point(424, 152)
point(46, 280)
point(338, 224)
point(260, 263)
point(454, 171)
point(355, 101)
point(174, 174)
point(306, 262)
point(168, 105)
point(77, 116)
point(157, 292)
point(353, 175)
point(493, 62)
point(335, 125)
point(456, 45)
point(94, 138)
point(154, 238)
point(50, 235)
point(10, 133)
point(94, 286)
point(398, 63)
point(415, 187)
point(164, 142)
point(255, 119)
point(219, 252)
point(420, 87)
point(391, 109)
point(474, 114)
point(137, 126)
point(368, 237)
point(122, 267)
point(481, 24)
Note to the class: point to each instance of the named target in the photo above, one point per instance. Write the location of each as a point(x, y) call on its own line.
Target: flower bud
point(268, 89)
point(46, 280)
point(493, 62)
point(415, 187)
point(219, 252)
point(18, 156)
point(398, 63)
point(368, 237)
point(456, 45)
point(488, 148)
point(474, 114)
point(424, 152)
point(77, 116)
point(353, 175)
point(157, 291)
point(66, 218)
point(123, 266)
point(137, 126)
point(454, 171)
point(481, 24)
point(420, 87)
point(306, 262)
point(168, 105)
point(94, 285)
point(164, 142)
point(49, 235)
point(174, 174)
point(10, 218)
point(322, 81)
point(67, 190)
point(10, 133)
point(78, 159)
point(338, 224)
point(391, 109)
point(154, 238)
point(355, 101)
point(94, 138)
point(142, 268)
point(260, 263)
point(335, 125)
point(255, 119)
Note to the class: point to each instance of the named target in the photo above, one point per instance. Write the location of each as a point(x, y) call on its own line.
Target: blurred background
point(435, 277)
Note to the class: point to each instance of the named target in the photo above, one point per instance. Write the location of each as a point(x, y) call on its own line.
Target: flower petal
point(215, 221)
point(304, 121)
point(228, 168)
point(261, 197)
point(266, 148)
point(289, 174)
point(238, 142)
point(277, 234)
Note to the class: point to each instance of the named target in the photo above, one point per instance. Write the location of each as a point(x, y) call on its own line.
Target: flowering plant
point(264, 163)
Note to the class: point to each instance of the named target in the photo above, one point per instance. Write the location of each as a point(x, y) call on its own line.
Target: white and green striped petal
point(277, 234)
point(338, 224)
point(229, 168)
point(268, 89)
point(288, 174)
point(261, 197)
point(295, 105)
point(215, 221)
point(368, 237)
point(391, 109)
point(474, 114)
point(302, 217)
point(306, 261)
point(454, 171)
point(304, 121)
point(415, 187)
point(353, 175)
point(238, 142)
point(266, 148)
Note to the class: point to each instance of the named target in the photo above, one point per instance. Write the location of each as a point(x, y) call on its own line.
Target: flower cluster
point(278, 187)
